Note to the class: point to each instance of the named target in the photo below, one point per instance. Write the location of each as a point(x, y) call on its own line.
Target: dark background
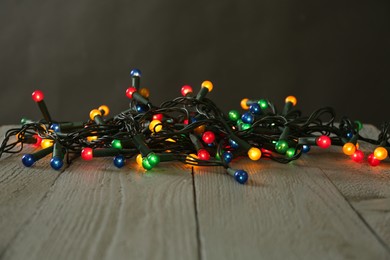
point(80, 53)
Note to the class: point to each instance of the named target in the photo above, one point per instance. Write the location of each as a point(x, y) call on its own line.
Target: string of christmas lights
point(190, 129)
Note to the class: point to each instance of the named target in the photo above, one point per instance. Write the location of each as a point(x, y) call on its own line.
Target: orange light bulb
point(254, 153)
point(104, 110)
point(155, 126)
point(46, 143)
point(244, 104)
point(207, 84)
point(139, 159)
point(291, 99)
point(93, 113)
point(380, 153)
point(349, 148)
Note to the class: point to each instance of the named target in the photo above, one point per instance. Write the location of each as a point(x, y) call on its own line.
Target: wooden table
point(322, 206)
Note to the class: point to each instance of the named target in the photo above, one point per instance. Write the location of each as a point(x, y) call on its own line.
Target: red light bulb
point(372, 160)
point(158, 117)
point(358, 156)
point(87, 154)
point(38, 140)
point(185, 121)
point(185, 90)
point(323, 141)
point(37, 96)
point(130, 91)
point(203, 155)
point(208, 137)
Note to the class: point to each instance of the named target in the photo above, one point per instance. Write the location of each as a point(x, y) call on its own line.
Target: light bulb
point(254, 153)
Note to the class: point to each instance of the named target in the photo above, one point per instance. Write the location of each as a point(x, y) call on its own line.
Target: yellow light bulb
point(192, 158)
point(207, 84)
point(170, 140)
point(254, 153)
point(93, 113)
point(291, 99)
point(380, 153)
point(105, 110)
point(91, 138)
point(200, 129)
point(244, 104)
point(139, 159)
point(349, 148)
point(46, 143)
point(144, 92)
point(155, 126)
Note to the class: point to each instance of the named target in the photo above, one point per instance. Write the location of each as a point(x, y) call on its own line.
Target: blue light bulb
point(241, 176)
point(349, 135)
point(305, 148)
point(233, 143)
point(119, 161)
point(28, 160)
point(255, 109)
point(56, 163)
point(141, 108)
point(55, 127)
point(135, 73)
point(227, 156)
point(248, 118)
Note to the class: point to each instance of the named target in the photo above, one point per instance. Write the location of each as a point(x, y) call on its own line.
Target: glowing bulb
point(241, 176)
point(323, 141)
point(139, 159)
point(234, 115)
point(254, 153)
point(208, 137)
point(380, 153)
point(263, 103)
point(130, 91)
point(87, 154)
point(104, 110)
point(255, 109)
point(116, 144)
point(290, 152)
point(247, 118)
point(192, 158)
point(372, 160)
point(200, 129)
point(144, 92)
point(291, 99)
point(281, 146)
point(349, 148)
point(135, 73)
point(203, 155)
point(358, 156)
point(56, 163)
point(28, 160)
point(158, 117)
point(119, 161)
point(153, 159)
point(39, 140)
point(207, 84)
point(46, 143)
point(93, 113)
point(185, 90)
point(227, 156)
point(37, 96)
point(305, 148)
point(91, 138)
point(244, 104)
point(146, 164)
point(155, 126)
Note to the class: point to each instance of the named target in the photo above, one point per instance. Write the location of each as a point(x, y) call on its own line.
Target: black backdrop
point(80, 53)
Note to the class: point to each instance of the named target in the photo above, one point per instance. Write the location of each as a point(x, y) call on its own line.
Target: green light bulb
point(263, 104)
point(234, 115)
point(359, 125)
point(116, 144)
point(146, 164)
point(245, 126)
point(153, 159)
point(290, 152)
point(281, 146)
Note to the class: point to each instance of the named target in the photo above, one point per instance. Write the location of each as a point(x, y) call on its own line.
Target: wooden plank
point(96, 211)
point(367, 188)
point(21, 192)
point(284, 212)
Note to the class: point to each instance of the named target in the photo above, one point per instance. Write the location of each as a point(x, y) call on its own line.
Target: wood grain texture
point(284, 212)
point(96, 211)
point(367, 188)
point(22, 190)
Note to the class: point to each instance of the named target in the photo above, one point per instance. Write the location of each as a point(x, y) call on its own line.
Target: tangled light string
point(189, 129)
